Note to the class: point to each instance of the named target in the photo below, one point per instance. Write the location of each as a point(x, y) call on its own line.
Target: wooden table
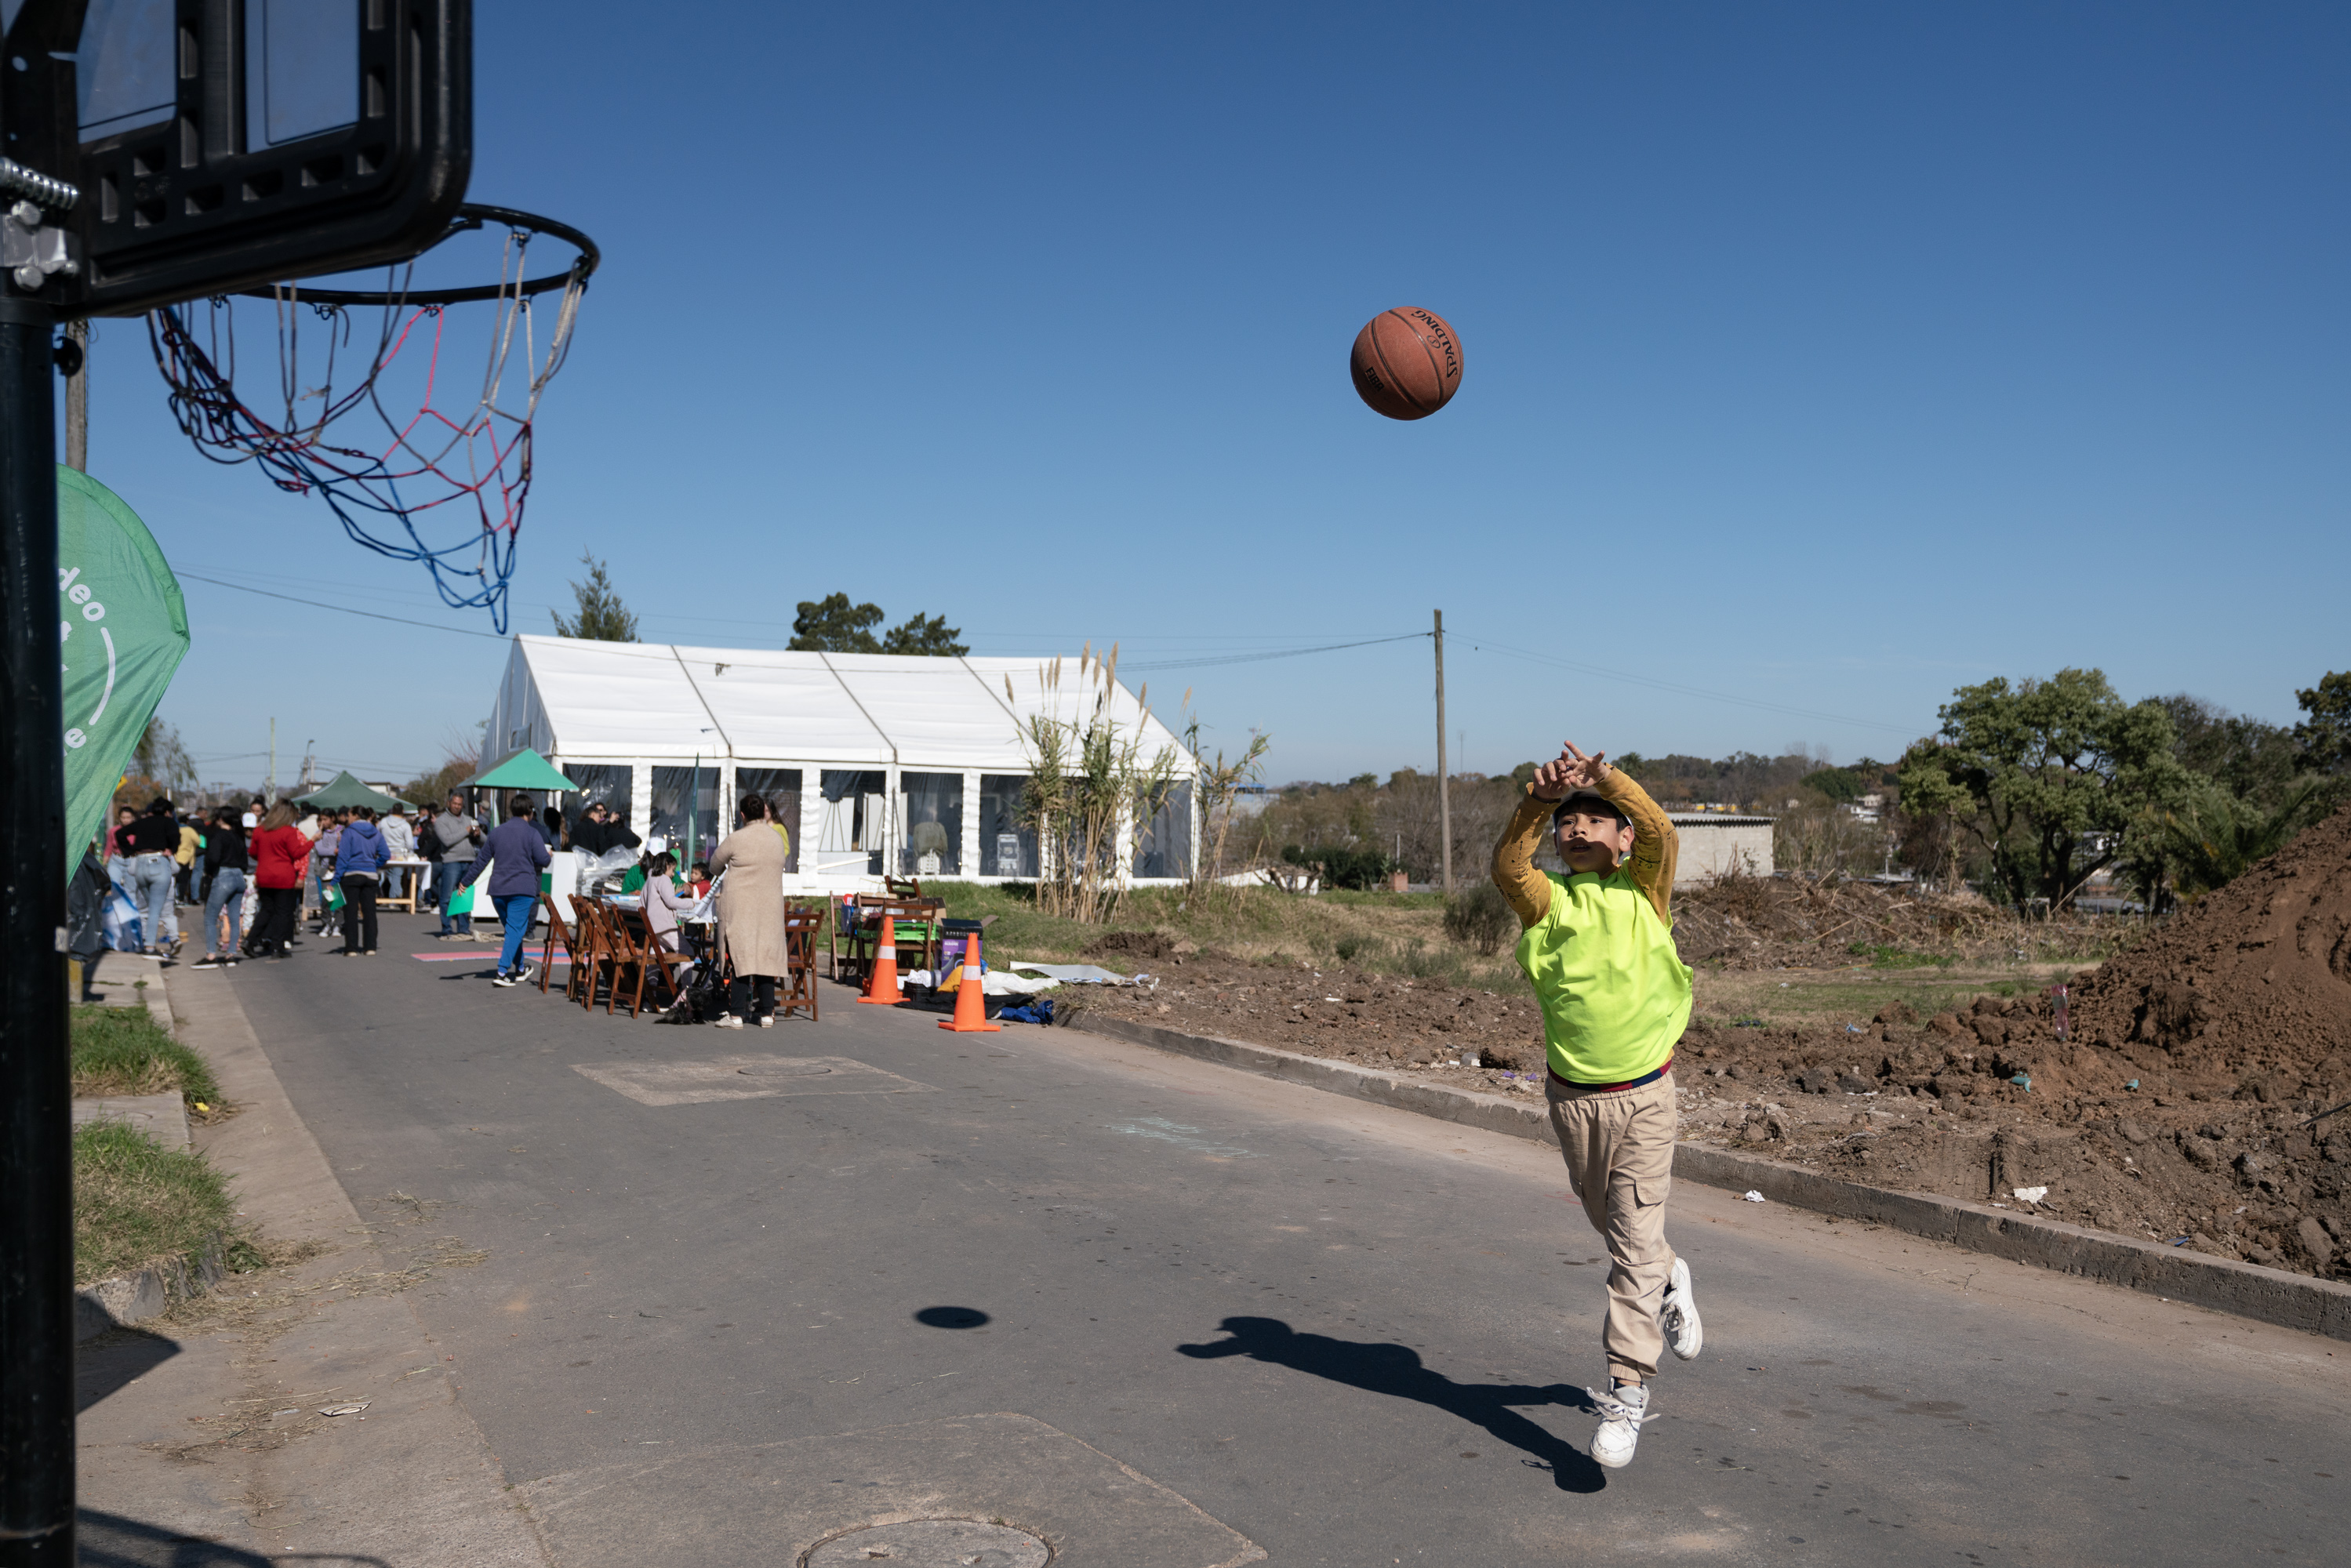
point(419, 870)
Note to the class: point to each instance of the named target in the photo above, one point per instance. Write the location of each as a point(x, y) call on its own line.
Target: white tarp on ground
point(594, 701)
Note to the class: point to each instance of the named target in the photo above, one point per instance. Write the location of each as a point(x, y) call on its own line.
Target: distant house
point(1716, 844)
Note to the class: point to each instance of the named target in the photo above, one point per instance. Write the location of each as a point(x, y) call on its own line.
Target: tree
point(160, 765)
point(2046, 775)
point(2325, 733)
point(833, 625)
point(922, 635)
point(600, 616)
point(1214, 789)
point(2252, 760)
point(1838, 784)
point(2214, 837)
point(1091, 791)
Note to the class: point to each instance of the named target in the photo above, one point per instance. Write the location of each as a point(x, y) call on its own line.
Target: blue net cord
point(474, 472)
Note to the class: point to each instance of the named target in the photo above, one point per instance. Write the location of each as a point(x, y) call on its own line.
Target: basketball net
point(450, 465)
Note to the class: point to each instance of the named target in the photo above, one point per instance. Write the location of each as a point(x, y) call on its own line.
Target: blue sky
point(1819, 358)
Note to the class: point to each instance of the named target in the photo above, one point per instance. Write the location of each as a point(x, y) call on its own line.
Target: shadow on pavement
point(1396, 1370)
point(114, 1358)
point(111, 1541)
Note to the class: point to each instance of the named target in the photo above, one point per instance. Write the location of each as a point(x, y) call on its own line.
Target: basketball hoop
point(422, 459)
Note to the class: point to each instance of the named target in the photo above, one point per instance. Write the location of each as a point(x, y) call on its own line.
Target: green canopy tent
point(524, 770)
point(346, 791)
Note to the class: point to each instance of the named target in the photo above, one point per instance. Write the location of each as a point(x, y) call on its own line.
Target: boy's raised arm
point(1656, 846)
point(1527, 889)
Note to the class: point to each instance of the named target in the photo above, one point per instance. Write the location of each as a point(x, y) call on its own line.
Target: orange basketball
point(1406, 363)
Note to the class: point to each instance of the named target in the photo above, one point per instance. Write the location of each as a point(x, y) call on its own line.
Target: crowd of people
point(255, 870)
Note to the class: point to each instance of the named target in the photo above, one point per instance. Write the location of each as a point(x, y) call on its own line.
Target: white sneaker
point(729, 1021)
point(1679, 1315)
point(1622, 1411)
point(767, 1022)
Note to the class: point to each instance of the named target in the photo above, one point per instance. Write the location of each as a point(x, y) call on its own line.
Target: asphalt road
point(1352, 1334)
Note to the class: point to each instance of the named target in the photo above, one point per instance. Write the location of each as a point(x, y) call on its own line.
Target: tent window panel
point(931, 844)
point(780, 788)
point(1164, 846)
point(690, 836)
point(849, 836)
point(599, 786)
point(1006, 848)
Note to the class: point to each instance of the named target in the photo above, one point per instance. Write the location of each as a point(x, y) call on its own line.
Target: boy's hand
point(1570, 771)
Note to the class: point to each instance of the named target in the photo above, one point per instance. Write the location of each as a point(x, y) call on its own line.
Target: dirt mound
point(2252, 983)
point(1154, 945)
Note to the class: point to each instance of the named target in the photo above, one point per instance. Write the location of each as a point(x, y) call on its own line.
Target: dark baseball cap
point(1590, 800)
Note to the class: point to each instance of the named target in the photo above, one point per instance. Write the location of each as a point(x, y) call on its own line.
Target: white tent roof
point(590, 701)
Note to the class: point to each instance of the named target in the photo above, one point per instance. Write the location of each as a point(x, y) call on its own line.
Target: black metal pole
point(37, 1382)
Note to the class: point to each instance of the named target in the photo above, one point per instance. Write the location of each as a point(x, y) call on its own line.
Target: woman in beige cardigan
point(751, 913)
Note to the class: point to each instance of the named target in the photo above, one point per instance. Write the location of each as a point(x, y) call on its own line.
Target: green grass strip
point(136, 1203)
point(123, 1051)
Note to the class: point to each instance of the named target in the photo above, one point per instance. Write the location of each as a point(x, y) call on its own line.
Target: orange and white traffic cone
point(882, 984)
point(971, 1001)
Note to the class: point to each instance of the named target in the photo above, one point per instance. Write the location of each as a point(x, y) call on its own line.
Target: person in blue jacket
point(519, 853)
point(360, 851)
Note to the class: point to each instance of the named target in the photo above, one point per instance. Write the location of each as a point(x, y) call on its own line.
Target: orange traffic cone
point(971, 1002)
point(882, 984)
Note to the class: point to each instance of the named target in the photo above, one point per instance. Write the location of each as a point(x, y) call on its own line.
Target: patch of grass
point(1881, 957)
point(136, 1203)
point(123, 1051)
point(1826, 999)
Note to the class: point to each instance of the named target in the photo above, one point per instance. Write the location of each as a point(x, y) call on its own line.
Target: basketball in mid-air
point(1406, 363)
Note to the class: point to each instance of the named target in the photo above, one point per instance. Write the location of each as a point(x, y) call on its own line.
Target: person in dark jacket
point(151, 843)
point(227, 864)
point(360, 855)
point(86, 918)
point(600, 832)
point(517, 852)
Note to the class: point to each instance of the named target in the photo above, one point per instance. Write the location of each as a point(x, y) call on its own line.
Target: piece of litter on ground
point(2132, 1083)
point(344, 1409)
point(290, 1410)
point(2022, 1081)
point(1754, 1196)
point(2181, 1240)
point(2031, 1194)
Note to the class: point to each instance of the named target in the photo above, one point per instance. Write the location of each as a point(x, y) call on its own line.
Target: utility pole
point(271, 792)
point(1444, 786)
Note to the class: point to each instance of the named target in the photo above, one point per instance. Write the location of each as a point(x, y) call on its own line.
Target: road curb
point(2246, 1289)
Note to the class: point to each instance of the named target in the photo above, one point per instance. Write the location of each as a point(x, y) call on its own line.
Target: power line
point(1264, 654)
point(1552, 660)
point(345, 609)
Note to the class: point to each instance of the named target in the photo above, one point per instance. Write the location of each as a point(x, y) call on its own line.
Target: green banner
point(123, 629)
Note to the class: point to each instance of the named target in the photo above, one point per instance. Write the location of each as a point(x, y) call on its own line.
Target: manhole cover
point(934, 1543)
point(785, 1069)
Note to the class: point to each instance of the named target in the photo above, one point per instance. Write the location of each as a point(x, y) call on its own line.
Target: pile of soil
point(2251, 984)
point(2171, 1106)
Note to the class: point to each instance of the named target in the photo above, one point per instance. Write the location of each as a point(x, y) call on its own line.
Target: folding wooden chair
point(637, 951)
point(800, 922)
point(594, 919)
point(558, 932)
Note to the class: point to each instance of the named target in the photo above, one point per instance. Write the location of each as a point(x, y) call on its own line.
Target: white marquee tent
point(878, 763)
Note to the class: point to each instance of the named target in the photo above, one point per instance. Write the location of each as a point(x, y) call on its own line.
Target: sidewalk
point(208, 1425)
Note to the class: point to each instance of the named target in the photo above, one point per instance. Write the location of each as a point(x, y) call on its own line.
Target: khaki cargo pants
point(1619, 1160)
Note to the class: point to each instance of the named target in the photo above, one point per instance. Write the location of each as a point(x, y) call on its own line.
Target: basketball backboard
point(217, 145)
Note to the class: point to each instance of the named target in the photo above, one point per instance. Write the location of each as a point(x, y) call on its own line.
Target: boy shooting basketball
point(1598, 946)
